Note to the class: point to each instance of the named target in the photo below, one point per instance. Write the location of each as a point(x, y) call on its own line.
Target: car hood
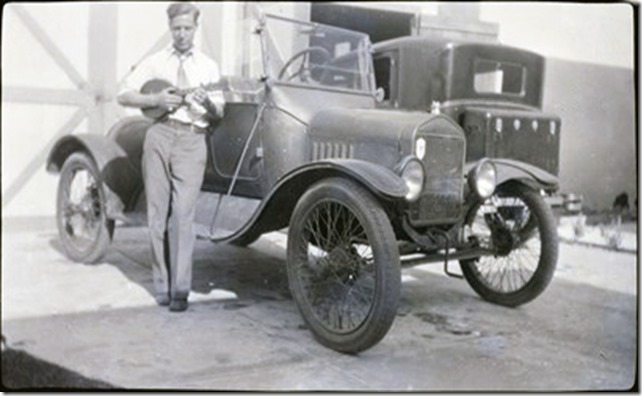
point(383, 135)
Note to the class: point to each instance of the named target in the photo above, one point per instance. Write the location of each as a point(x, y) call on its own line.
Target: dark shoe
point(161, 300)
point(178, 305)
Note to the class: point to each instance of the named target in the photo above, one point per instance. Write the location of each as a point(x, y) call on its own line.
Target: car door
point(226, 143)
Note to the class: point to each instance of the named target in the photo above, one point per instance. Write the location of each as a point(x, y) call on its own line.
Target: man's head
point(183, 20)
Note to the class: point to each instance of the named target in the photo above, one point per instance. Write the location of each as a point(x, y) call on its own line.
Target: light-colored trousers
point(173, 169)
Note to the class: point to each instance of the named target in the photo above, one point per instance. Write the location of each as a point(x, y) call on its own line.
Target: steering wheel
point(303, 54)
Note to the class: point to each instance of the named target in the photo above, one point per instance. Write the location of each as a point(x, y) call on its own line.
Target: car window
point(496, 77)
point(383, 66)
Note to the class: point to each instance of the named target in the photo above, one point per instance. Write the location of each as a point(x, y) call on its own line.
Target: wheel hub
point(504, 241)
point(342, 264)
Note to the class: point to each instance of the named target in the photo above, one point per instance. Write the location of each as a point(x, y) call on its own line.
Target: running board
point(420, 258)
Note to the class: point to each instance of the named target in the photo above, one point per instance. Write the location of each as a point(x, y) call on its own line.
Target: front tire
point(519, 227)
point(343, 265)
point(84, 230)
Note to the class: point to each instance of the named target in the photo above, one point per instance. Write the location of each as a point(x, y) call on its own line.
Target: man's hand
point(167, 99)
point(200, 96)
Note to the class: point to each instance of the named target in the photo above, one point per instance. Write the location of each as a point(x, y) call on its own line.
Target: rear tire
point(343, 265)
point(84, 229)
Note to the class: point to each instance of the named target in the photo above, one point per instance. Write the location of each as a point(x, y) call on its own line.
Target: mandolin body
point(151, 87)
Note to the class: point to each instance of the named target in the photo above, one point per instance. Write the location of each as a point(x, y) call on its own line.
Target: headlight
point(413, 174)
point(483, 179)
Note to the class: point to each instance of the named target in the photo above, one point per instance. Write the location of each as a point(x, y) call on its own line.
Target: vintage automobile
point(361, 190)
point(494, 92)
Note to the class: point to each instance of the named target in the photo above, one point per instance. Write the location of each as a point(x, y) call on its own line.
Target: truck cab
point(494, 92)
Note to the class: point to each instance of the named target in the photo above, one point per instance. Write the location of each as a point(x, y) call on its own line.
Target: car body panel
point(275, 209)
point(528, 136)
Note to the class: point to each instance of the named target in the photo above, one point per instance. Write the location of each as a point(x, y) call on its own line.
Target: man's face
point(183, 29)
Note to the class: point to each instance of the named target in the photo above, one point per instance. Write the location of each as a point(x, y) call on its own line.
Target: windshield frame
point(363, 52)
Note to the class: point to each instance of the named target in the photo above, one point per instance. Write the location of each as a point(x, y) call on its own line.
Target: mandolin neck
point(186, 91)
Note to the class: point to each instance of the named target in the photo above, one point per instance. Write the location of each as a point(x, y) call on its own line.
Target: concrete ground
point(243, 331)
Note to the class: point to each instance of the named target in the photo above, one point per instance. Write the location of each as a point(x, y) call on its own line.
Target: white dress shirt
point(199, 69)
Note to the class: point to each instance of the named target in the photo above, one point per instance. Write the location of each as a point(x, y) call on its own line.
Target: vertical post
point(211, 25)
point(103, 19)
point(231, 39)
point(223, 38)
point(245, 42)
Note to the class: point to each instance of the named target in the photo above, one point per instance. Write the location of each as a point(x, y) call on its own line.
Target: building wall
point(598, 142)
point(28, 129)
point(597, 33)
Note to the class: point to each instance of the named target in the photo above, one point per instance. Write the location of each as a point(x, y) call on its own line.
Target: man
point(174, 152)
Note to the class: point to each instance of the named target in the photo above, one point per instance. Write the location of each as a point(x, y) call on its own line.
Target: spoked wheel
point(85, 232)
point(343, 265)
point(518, 227)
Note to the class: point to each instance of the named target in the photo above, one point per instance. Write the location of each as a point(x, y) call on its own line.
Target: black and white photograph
point(408, 197)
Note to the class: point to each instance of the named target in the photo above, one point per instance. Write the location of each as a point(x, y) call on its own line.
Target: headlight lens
point(413, 174)
point(484, 179)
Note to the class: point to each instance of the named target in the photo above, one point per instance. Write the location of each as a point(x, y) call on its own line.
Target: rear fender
point(121, 178)
point(276, 209)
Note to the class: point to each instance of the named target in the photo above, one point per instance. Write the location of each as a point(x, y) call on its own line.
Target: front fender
point(121, 178)
point(528, 174)
point(380, 180)
point(275, 210)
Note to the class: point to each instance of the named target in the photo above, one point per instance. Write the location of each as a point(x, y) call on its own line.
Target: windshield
point(311, 54)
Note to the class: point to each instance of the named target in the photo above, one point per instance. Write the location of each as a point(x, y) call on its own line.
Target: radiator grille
point(441, 199)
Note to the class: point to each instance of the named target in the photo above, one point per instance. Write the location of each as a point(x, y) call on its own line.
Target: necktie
point(181, 79)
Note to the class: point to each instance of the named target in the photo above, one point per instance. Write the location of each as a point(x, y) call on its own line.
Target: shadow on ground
point(22, 371)
point(245, 271)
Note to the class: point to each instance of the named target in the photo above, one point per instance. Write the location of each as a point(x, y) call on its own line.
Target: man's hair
point(177, 9)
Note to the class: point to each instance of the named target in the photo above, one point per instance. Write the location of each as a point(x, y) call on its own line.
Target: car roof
point(410, 42)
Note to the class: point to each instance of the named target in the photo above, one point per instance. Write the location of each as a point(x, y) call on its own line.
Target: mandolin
point(157, 85)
